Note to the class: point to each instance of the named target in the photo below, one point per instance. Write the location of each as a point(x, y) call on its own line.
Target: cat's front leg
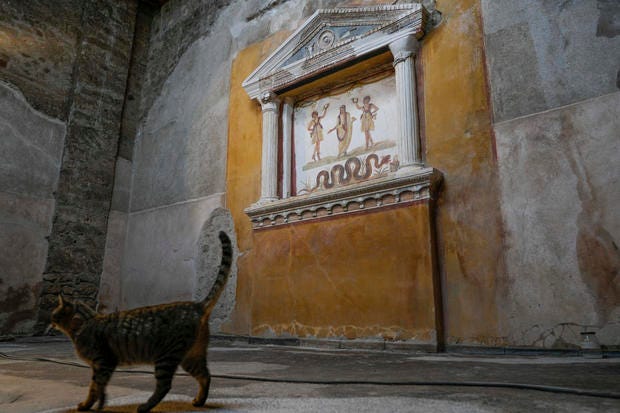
point(98, 383)
point(90, 399)
point(164, 370)
point(101, 398)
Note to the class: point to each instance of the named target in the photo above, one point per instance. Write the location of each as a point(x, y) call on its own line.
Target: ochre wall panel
point(459, 143)
point(356, 276)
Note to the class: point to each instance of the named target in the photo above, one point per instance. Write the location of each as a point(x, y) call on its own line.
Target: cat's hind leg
point(164, 371)
point(196, 365)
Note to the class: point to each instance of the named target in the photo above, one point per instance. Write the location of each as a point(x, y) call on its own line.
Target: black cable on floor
point(518, 386)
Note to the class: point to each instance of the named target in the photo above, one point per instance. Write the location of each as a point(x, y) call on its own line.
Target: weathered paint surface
point(542, 55)
point(459, 142)
point(557, 144)
point(166, 270)
point(342, 278)
point(560, 196)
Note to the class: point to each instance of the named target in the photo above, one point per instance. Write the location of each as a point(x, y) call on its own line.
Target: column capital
point(269, 101)
point(404, 48)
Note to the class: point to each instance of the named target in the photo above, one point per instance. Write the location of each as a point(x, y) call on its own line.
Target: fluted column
point(269, 170)
point(404, 51)
point(287, 136)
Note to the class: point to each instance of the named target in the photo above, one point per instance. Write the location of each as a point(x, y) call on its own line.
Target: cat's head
point(69, 316)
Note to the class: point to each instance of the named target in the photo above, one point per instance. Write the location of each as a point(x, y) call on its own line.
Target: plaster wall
point(176, 163)
point(554, 86)
point(456, 118)
point(543, 55)
point(28, 180)
point(36, 63)
point(560, 191)
point(151, 276)
point(38, 46)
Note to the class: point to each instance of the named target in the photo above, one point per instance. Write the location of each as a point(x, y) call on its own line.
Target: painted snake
point(352, 170)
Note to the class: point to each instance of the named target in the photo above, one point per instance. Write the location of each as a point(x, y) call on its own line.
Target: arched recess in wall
point(209, 255)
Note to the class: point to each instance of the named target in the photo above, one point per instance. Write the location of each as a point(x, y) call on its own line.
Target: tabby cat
point(165, 335)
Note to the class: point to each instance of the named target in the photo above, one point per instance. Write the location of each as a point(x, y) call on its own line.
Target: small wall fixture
point(590, 347)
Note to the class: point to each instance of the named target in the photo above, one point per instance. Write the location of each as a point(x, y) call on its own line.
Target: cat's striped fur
point(166, 335)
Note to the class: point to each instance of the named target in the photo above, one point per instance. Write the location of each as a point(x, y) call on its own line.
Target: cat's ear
point(61, 301)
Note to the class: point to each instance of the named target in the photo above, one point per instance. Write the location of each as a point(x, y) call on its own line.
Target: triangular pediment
point(332, 37)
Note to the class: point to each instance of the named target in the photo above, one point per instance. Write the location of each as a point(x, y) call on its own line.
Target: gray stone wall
point(553, 71)
point(69, 59)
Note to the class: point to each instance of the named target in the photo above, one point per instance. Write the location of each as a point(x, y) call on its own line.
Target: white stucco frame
point(315, 50)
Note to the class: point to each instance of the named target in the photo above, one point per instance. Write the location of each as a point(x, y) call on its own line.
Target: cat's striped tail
point(222, 275)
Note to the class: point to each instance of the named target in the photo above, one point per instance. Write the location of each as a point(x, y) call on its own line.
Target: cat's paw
point(101, 402)
point(84, 407)
point(143, 408)
point(199, 402)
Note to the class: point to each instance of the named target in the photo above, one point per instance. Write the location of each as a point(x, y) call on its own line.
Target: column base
point(409, 169)
point(264, 201)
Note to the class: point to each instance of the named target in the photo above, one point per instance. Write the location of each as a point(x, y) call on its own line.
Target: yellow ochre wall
point(460, 143)
point(371, 275)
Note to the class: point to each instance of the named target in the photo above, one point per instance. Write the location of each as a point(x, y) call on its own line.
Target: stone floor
point(40, 386)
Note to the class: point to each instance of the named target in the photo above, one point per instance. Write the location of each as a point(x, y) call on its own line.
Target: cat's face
point(63, 315)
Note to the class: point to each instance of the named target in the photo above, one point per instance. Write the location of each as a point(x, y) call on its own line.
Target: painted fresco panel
point(345, 137)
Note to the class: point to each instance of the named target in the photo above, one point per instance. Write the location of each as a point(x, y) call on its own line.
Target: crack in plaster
point(561, 336)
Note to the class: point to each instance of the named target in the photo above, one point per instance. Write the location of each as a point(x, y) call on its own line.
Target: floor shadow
point(163, 407)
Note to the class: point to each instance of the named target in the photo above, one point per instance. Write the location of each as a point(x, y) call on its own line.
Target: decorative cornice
point(297, 59)
point(422, 184)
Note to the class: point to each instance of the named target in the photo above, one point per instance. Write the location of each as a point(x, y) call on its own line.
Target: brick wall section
point(99, 79)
